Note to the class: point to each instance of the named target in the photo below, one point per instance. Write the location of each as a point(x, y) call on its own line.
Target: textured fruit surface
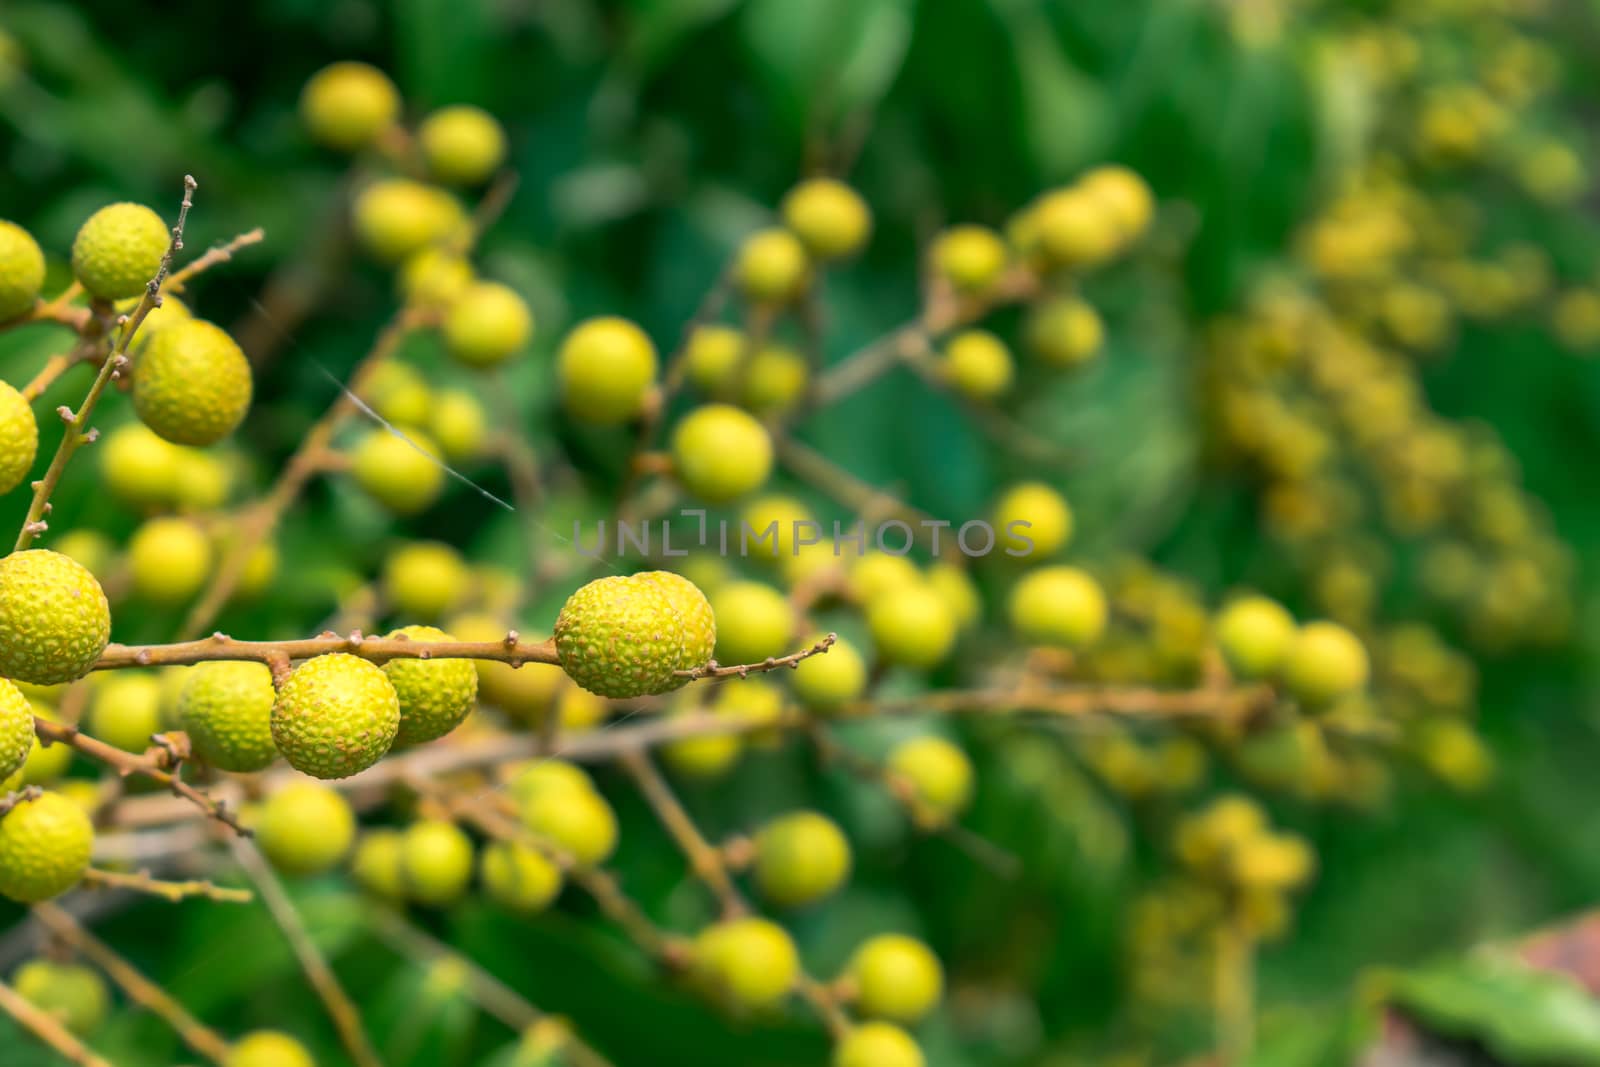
point(911, 625)
point(800, 858)
point(939, 771)
point(827, 682)
point(1032, 521)
point(21, 270)
point(578, 821)
point(828, 216)
point(16, 729)
point(720, 452)
point(125, 710)
point(399, 473)
point(54, 618)
point(19, 438)
point(335, 715)
point(44, 847)
point(169, 560)
point(1064, 331)
point(970, 258)
point(1325, 661)
point(424, 579)
point(746, 964)
point(192, 383)
point(1255, 634)
point(348, 105)
point(487, 324)
point(226, 709)
point(620, 637)
point(695, 617)
point(754, 621)
point(519, 878)
point(434, 694)
point(118, 250)
point(877, 1045)
point(978, 364)
point(462, 145)
point(396, 217)
point(72, 992)
point(605, 367)
point(1058, 606)
point(896, 978)
point(305, 828)
point(268, 1048)
point(435, 861)
point(772, 267)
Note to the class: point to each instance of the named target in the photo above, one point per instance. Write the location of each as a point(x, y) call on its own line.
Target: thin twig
point(144, 882)
point(705, 860)
point(213, 256)
point(48, 1028)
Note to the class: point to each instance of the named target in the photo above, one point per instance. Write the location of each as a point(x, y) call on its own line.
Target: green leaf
point(841, 55)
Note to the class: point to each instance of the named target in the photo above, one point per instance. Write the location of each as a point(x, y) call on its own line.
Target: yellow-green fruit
point(530, 777)
point(1254, 634)
point(955, 587)
point(204, 480)
point(75, 995)
point(776, 513)
point(703, 757)
point(462, 145)
point(911, 625)
point(458, 423)
point(711, 358)
point(1325, 661)
point(695, 617)
point(519, 878)
point(335, 715)
point(349, 105)
point(800, 858)
point(433, 278)
point(977, 364)
point(425, 579)
point(399, 393)
point(171, 312)
point(16, 729)
point(375, 864)
point(827, 682)
point(578, 821)
point(118, 250)
point(19, 438)
point(774, 380)
point(268, 1048)
point(1058, 606)
point(54, 618)
point(720, 452)
point(896, 978)
point(524, 693)
point(487, 324)
point(828, 216)
point(396, 217)
point(1123, 195)
point(169, 560)
point(402, 474)
point(970, 258)
point(93, 550)
point(44, 847)
point(435, 862)
point(1032, 520)
point(226, 709)
point(606, 367)
point(940, 774)
point(877, 1045)
point(1064, 331)
point(1074, 230)
point(45, 763)
point(772, 267)
point(125, 710)
point(751, 700)
point(192, 384)
point(620, 637)
point(746, 964)
point(260, 568)
point(21, 270)
point(435, 694)
point(140, 468)
point(754, 621)
point(305, 828)
point(875, 574)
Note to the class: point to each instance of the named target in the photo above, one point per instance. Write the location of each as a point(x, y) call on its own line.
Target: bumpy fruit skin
point(169, 560)
point(435, 694)
point(1325, 662)
point(970, 258)
point(605, 368)
point(754, 621)
point(19, 438)
point(519, 878)
point(1047, 514)
point(21, 270)
point(711, 357)
point(896, 978)
point(125, 710)
point(73, 993)
point(620, 637)
point(226, 709)
point(1255, 634)
point(1059, 606)
point(192, 384)
point(54, 618)
point(695, 617)
point(396, 217)
point(578, 821)
point(772, 267)
point(395, 473)
point(828, 216)
point(336, 715)
point(435, 862)
point(462, 145)
point(746, 964)
point(44, 848)
point(268, 1048)
point(375, 865)
point(140, 468)
point(487, 325)
point(16, 729)
point(118, 250)
point(911, 625)
point(1064, 331)
point(305, 828)
point(977, 364)
point(800, 858)
point(425, 579)
point(828, 682)
point(348, 105)
point(720, 452)
point(940, 773)
point(877, 1045)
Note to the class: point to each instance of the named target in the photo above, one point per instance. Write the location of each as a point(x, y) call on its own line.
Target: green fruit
point(1033, 521)
point(1324, 662)
point(1058, 606)
point(402, 474)
point(398, 392)
point(433, 278)
point(268, 1048)
point(746, 964)
point(720, 452)
point(305, 828)
point(711, 358)
point(462, 145)
point(1064, 331)
point(704, 757)
point(828, 682)
point(169, 560)
point(771, 267)
point(694, 617)
point(118, 250)
point(955, 587)
point(425, 579)
point(21, 270)
point(524, 693)
point(896, 978)
point(435, 862)
point(458, 423)
point(774, 380)
point(75, 995)
point(754, 621)
point(192, 384)
point(606, 367)
point(125, 711)
point(226, 709)
point(940, 774)
point(970, 258)
point(577, 821)
point(44, 847)
point(531, 777)
point(16, 729)
point(140, 468)
point(518, 878)
point(978, 365)
point(375, 864)
point(435, 694)
point(912, 626)
point(348, 105)
point(1123, 195)
point(876, 574)
point(19, 438)
point(620, 637)
point(396, 217)
point(800, 858)
point(1255, 634)
point(779, 514)
point(335, 715)
point(828, 216)
point(54, 619)
point(877, 1045)
point(751, 700)
point(487, 325)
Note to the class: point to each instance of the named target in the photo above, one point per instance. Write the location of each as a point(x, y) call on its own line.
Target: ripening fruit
point(203, 480)
point(425, 579)
point(435, 862)
point(1324, 662)
point(711, 358)
point(911, 625)
point(896, 978)
point(268, 1048)
point(978, 365)
point(694, 617)
point(774, 380)
point(375, 864)
point(828, 682)
point(398, 392)
point(877, 1045)
point(1058, 605)
point(433, 278)
point(19, 438)
point(349, 105)
point(747, 964)
point(519, 878)
point(335, 715)
point(778, 514)
point(970, 258)
point(576, 820)
point(21, 270)
point(396, 217)
point(771, 267)
point(1123, 196)
point(91, 549)
point(620, 637)
point(1032, 520)
point(524, 693)
point(828, 216)
point(800, 858)
point(54, 619)
point(305, 828)
point(192, 384)
point(720, 452)
point(171, 312)
point(530, 777)
point(226, 709)
point(125, 710)
point(955, 587)
point(875, 574)
point(16, 729)
point(1254, 634)
point(169, 560)
point(458, 423)
point(74, 994)
point(754, 621)
point(138, 467)
point(118, 250)
point(400, 473)
point(435, 694)
point(1064, 331)
point(702, 757)
point(1073, 229)
point(462, 145)
point(939, 772)
point(606, 367)
point(487, 324)
point(44, 847)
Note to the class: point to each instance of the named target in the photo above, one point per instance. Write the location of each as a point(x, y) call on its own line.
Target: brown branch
point(511, 649)
point(771, 663)
point(48, 1028)
point(213, 256)
point(705, 860)
point(57, 365)
point(144, 882)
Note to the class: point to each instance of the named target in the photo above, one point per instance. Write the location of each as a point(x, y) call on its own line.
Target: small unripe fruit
point(1124, 197)
point(54, 619)
point(169, 560)
point(44, 847)
point(118, 250)
point(16, 729)
point(171, 312)
point(462, 145)
point(1324, 662)
point(396, 217)
point(771, 267)
point(970, 258)
point(606, 367)
point(800, 858)
point(875, 574)
point(335, 715)
point(955, 587)
point(774, 380)
point(828, 216)
point(375, 865)
point(487, 325)
point(305, 828)
point(711, 358)
point(140, 468)
point(1064, 331)
point(524, 693)
point(460, 426)
point(827, 682)
point(192, 384)
point(978, 365)
point(754, 621)
point(398, 392)
point(435, 862)
point(349, 105)
point(720, 452)
point(620, 637)
point(19, 438)
point(1032, 520)
point(399, 473)
point(125, 711)
point(704, 757)
point(912, 626)
point(435, 694)
point(746, 964)
point(433, 278)
point(1074, 229)
point(531, 777)
point(896, 978)
point(268, 1048)
point(694, 614)
point(767, 526)
point(74, 994)
point(940, 773)
point(519, 878)
point(1058, 606)
point(425, 579)
point(203, 480)
point(21, 270)
point(877, 1045)
point(1255, 634)
point(751, 700)
point(226, 709)
point(578, 821)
